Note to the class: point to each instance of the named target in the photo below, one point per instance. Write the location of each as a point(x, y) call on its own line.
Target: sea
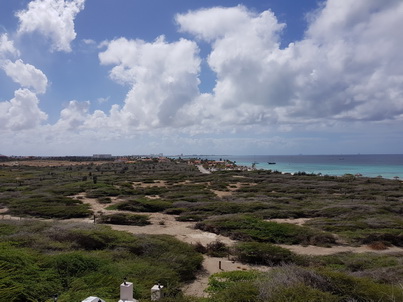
point(368, 165)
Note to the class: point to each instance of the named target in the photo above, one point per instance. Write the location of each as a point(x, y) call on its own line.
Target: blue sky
point(79, 77)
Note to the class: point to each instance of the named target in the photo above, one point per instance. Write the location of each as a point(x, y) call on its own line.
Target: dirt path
point(184, 231)
point(211, 265)
point(321, 251)
point(203, 170)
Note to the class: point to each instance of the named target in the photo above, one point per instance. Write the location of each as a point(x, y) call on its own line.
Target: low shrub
point(219, 281)
point(50, 207)
point(360, 289)
point(104, 200)
point(217, 249)
point(144, 205)
point(263, 253)
point(200, 248)
point(103, 191)
point(124, 219)
point(93, 261)
point(75, 264)
point(248, 228)
point(385, 238)
point(302, 293)
point(24, 276)
point(175, 211)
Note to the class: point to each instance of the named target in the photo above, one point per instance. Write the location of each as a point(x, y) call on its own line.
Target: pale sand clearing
point(158, 183)
point(297, 221)
point(231, 189)
point(320, 251)
point(203, 170)
point(222, 194)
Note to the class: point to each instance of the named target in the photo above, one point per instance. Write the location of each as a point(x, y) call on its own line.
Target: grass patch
point(91, 260)
point(263, 253)
point(144, 205)
point(49, 207)
point(248, 228)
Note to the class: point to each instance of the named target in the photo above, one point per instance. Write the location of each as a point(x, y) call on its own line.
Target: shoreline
point(388, 166)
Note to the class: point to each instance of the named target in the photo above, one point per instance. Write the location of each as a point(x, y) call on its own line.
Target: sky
point(274, 77)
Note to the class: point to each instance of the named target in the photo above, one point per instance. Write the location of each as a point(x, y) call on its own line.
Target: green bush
point(302, 293)
point(50, 207)
point(97, 239)
point(124, 219)
point(237, 292)
point(102, 190)
point(24, 275)
point(175, 211)
point(144, 205)
point(262, 253)
point(75, 264)
point(361, 289)
point(92, 261)
point(220, 281)
point(351, 262)
point(247, 228)
point(217, 249)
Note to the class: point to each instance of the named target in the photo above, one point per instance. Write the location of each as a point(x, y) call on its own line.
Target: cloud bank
point(334, 74)
point(346, 69)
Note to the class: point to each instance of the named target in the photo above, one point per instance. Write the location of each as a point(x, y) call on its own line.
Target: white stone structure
point(157, 292)
point(126, 292)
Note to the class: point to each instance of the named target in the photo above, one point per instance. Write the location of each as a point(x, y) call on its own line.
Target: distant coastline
point(368, 165)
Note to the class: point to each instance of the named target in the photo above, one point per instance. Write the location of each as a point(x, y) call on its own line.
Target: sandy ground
point(317, 250)
point(157, 183)
point(297, 221)
point(203, 170)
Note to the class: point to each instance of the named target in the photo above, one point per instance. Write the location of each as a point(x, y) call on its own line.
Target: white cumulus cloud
point(251, 75)
point(26, 75)
point(162, 77)
point(348, 66)
point(22, 112)
point(7, 46)
point(73, 116)
point(52, 18)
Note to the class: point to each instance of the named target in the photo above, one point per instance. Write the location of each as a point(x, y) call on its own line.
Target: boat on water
point(271, 163)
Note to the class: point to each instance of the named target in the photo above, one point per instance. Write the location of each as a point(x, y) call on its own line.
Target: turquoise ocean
point(369, 165)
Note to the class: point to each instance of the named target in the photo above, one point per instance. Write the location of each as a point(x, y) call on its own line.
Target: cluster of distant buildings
point(215, 165)
point(210, 165)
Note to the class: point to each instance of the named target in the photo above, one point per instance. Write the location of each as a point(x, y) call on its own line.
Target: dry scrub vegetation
point(245, 206)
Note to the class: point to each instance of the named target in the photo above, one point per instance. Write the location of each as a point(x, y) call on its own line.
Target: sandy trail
point(211, 265)
point(203, 170)
point(166, 224)
point(321, 251)
point(297, 221)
